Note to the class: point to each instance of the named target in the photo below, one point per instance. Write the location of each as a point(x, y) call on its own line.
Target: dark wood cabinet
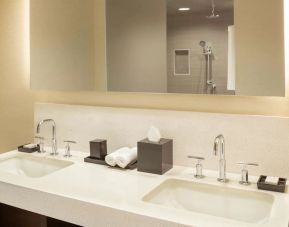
point(15, 217)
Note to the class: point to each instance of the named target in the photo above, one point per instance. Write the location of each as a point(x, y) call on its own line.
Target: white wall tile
point(260, 139)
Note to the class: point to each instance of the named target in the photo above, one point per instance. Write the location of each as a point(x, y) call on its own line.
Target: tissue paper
point(154, 135)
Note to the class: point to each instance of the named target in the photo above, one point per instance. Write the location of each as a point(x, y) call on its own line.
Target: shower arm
point(213, 7)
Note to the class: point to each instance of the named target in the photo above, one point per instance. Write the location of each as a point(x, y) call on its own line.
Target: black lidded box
point(98, 149)
point(155, 158)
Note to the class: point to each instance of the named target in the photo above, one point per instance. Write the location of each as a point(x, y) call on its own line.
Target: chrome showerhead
point(207, 47)
point(202, 43)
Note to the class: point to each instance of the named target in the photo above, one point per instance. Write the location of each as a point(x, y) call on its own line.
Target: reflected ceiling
point(199, 6)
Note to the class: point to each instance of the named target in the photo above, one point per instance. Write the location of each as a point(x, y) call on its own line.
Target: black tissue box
point(155, 158)
point(98, 149)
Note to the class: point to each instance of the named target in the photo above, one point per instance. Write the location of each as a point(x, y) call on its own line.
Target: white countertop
point(94, 195)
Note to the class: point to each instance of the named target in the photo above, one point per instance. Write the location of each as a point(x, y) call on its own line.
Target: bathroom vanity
point(12, 216)
point(77, 53)
point(85, 194)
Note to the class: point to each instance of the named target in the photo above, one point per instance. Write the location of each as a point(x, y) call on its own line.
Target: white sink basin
point(240, 205)
point(32, 166)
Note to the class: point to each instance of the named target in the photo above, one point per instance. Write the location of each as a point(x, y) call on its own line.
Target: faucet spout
point(54, 141)
point(219, 147)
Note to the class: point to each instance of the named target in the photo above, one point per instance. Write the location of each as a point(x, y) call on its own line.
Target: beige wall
point(136, 45)
point(16, 115)
point(62, 45)
point(16, 102)
point(259, 23)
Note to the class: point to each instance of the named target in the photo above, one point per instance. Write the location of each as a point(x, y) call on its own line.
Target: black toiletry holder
point(280, 187)
point(28, 150)
point(98, 152)
point(93, 160)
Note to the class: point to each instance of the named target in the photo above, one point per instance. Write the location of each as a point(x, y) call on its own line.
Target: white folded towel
point(125, 157)
point(111, 158)
point(272, 180)
point(30, 146)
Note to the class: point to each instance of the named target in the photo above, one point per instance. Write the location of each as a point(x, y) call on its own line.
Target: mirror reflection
point(216, 47)
point(171, 46)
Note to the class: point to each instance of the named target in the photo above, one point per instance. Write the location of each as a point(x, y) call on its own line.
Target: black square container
point(155, 158)
point(98, 149)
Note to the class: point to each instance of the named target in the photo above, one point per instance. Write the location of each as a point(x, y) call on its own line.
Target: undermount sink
point(239, 205)
point(31, 166)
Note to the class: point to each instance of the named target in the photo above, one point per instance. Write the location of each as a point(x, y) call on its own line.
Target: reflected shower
point(210, 87)
point(213, 15)
point(207, 47)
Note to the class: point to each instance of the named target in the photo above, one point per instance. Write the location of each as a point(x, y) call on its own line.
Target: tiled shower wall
point(260, 139)
point(185, 31)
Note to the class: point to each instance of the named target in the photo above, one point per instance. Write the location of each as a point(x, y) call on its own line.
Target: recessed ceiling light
point(184, 9)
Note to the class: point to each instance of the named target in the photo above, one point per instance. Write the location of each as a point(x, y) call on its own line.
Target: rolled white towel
point(111, 158)
point(30, 146)
point(124, 158)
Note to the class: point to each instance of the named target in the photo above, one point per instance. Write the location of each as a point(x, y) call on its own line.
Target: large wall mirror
point(214, 47)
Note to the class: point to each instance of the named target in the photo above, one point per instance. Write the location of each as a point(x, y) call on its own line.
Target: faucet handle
point(244, 172)
point(67, 148)
point(199, 166)
point(245, 164)
point(196, 157)
point(40, 143)
point(69, 141)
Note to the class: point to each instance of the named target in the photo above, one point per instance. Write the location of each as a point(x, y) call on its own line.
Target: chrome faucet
point(54, 142)
point(219, 146)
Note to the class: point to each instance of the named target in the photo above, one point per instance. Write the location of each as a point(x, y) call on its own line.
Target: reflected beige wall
point(16, 102)
point(62, 45)
point(259, 27)
point(136, 45)
point(100, 46)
